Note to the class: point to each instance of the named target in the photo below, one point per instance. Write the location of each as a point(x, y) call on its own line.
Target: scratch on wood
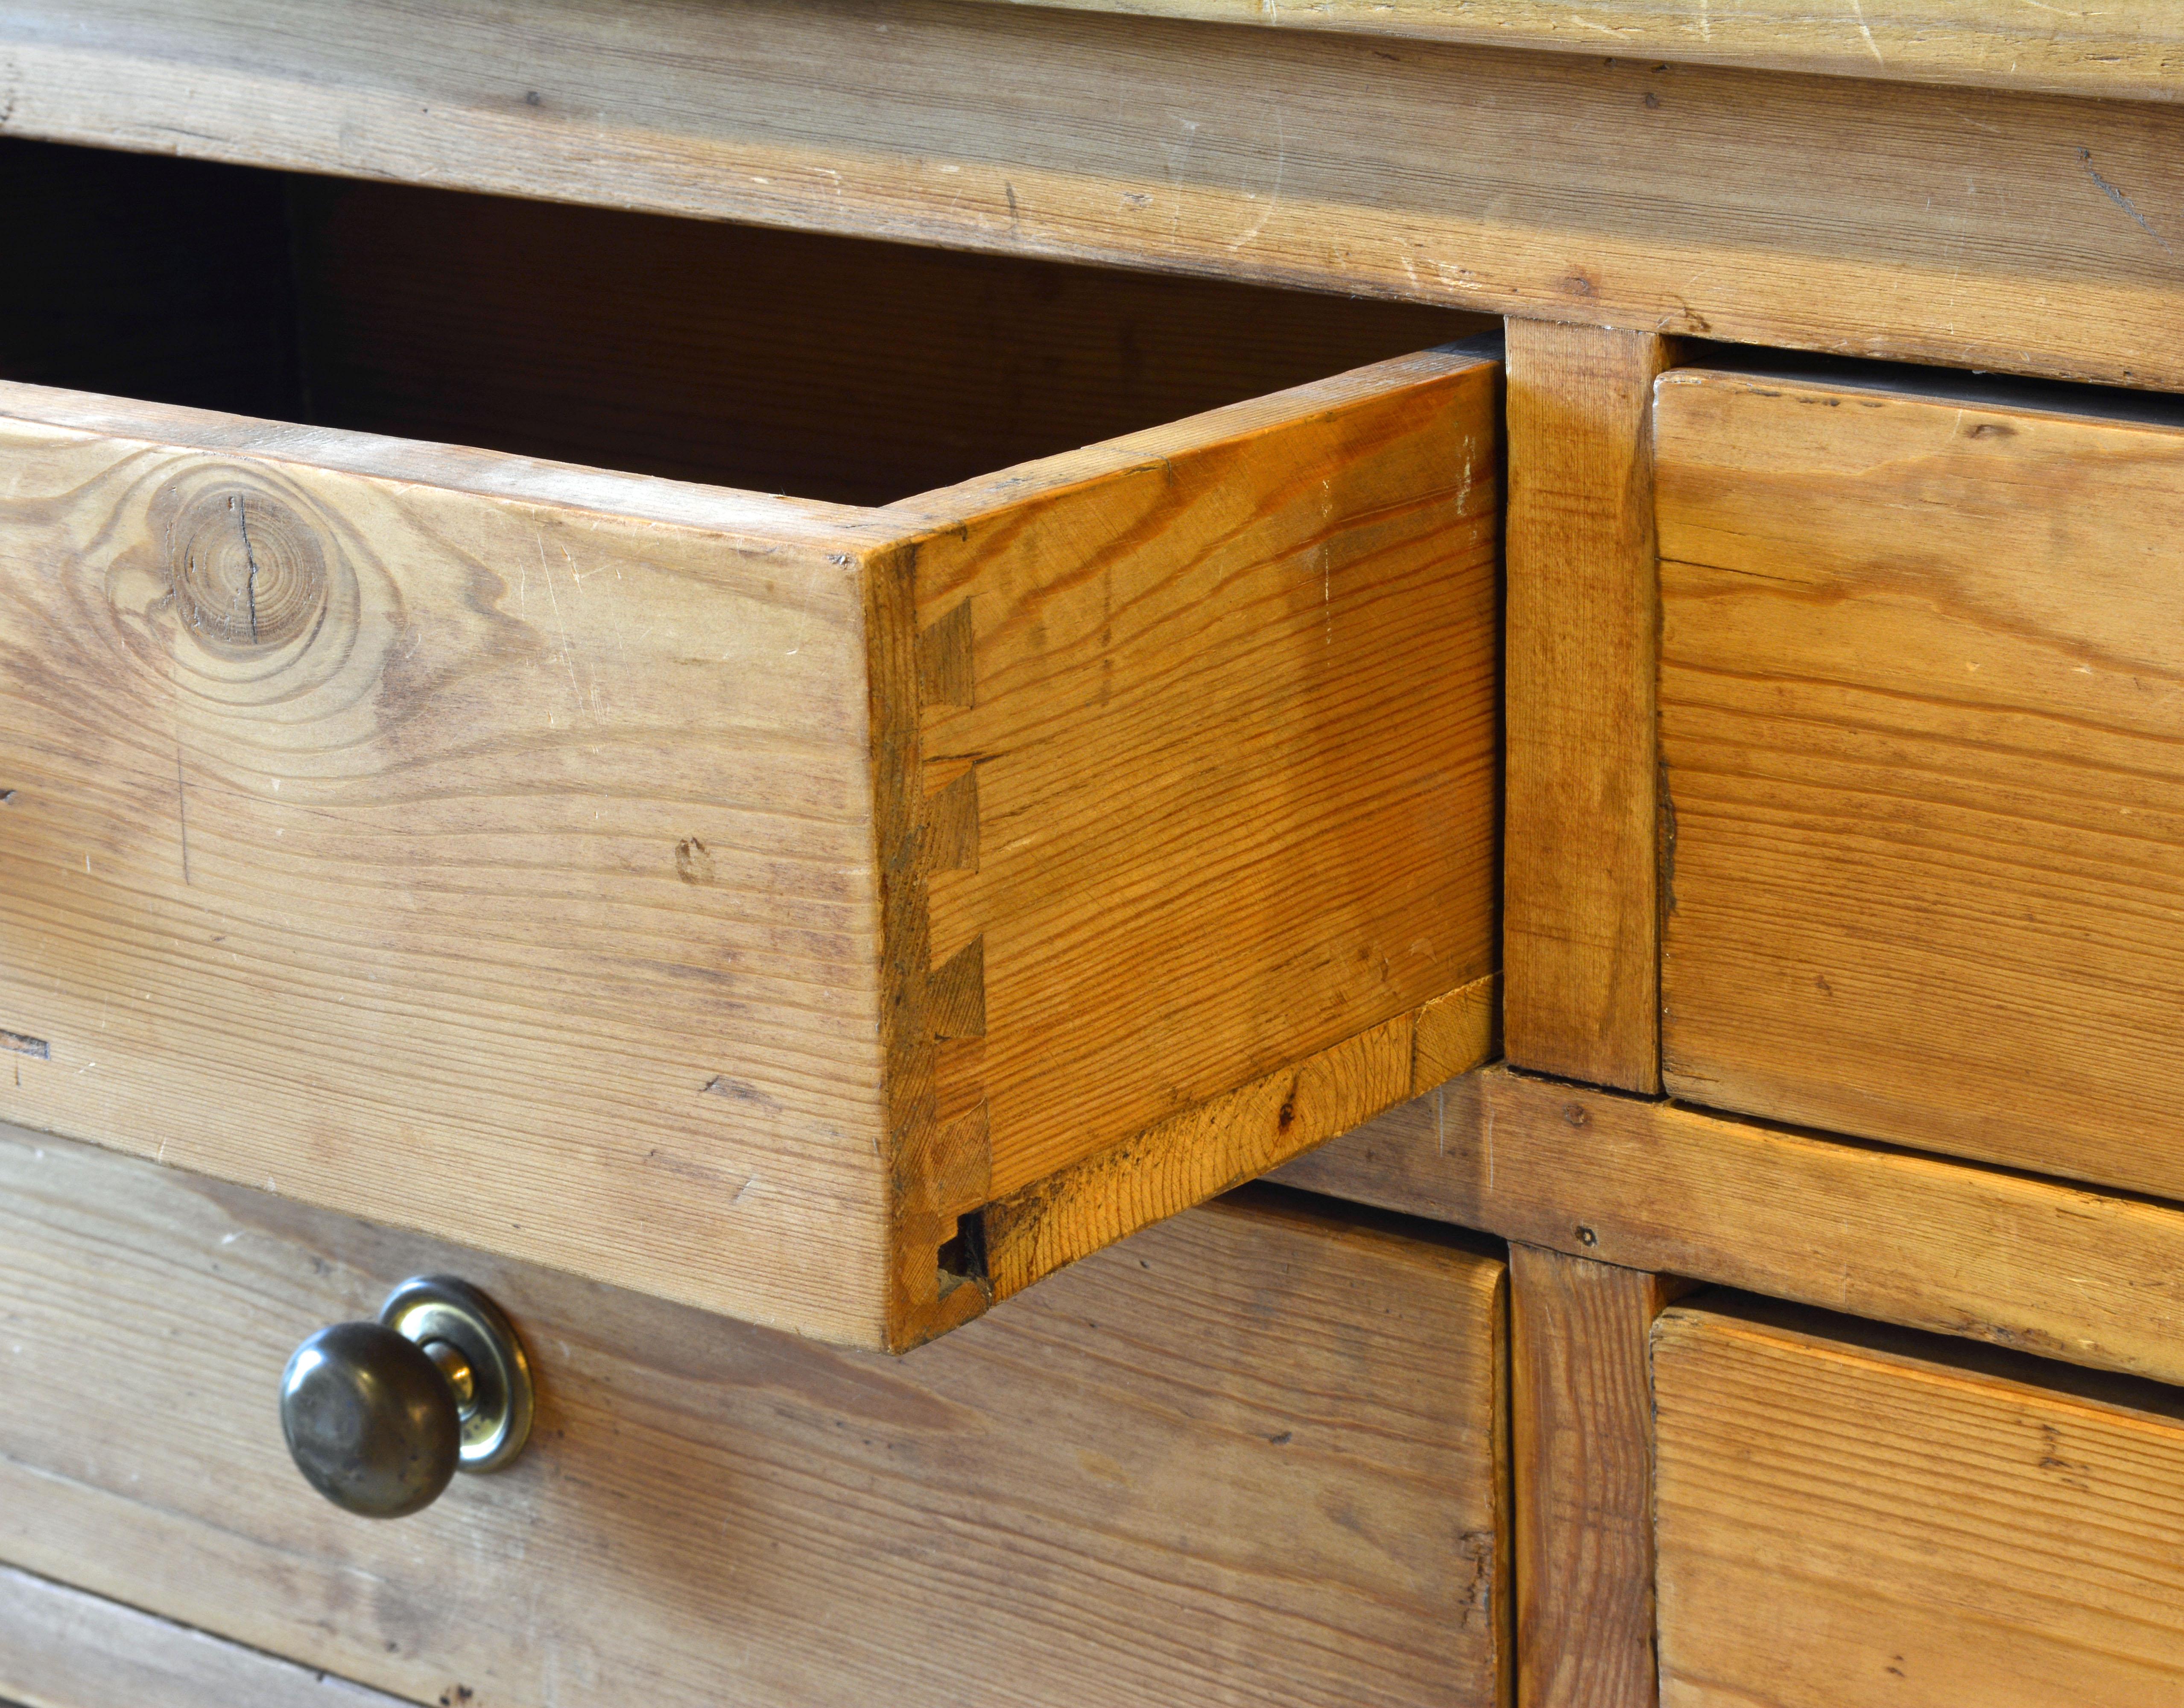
point(1872, 47)
point(24, 1045)
point(1274, 197)
point(182, 811)
point(720, 1086)
point(2086, 159)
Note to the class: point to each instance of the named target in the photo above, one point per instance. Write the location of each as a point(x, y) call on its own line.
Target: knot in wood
point(248, 572)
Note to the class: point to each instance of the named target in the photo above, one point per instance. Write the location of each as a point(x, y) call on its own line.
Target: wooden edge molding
point(2130, 50)
point(61, 1647)
point(1221, 1143)
point(2042, 1265)
point(1581, 1415)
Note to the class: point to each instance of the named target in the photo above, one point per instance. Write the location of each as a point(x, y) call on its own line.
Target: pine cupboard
point(747, 675)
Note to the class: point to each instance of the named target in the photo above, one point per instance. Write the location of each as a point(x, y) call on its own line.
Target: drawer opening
point(829, 368)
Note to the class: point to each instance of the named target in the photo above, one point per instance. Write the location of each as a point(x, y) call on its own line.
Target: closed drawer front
point(1851, 1516)
point(1253, 1455)
point(832, 913)
point(1922, 722)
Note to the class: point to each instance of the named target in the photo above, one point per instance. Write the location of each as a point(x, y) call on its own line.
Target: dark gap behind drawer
point(146, 277)
point(826, 367)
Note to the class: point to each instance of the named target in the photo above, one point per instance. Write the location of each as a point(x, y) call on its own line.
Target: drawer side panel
point(1228, 694)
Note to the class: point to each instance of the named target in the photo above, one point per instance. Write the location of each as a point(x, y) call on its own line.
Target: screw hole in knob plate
point(380, 1415)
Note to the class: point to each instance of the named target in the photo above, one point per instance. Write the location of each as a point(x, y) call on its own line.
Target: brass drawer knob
point(380, 1415)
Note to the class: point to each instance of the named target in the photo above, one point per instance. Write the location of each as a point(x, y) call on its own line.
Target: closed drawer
point(830, 913)
point(1851, 1516)
point(1922, 727)
point(1253, 1455)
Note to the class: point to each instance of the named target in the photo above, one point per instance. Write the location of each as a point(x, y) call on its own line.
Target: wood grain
point(2131, 50)
point(1971, 227)
point(1580, 926)
point(494, 862)
point(1920, 700)
point(1581, 1412)
point(61, 1648)
point(1852, 1518)
point(1191, 1157)
point(1251, 1456)
point(1452, 1035)
point(1226, 822)
point(2089, 1277)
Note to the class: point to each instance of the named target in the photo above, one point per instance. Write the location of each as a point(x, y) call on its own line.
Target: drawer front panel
point(1922, 720)
point(60, 1647)
point(1250, 1456)
point(1851, 1517)
point(491, 855)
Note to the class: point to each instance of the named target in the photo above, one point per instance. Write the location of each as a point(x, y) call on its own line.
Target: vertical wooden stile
point(1581, 918)
point(1581, 1417)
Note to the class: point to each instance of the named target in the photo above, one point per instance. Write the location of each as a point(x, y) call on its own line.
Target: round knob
point(380, 1415)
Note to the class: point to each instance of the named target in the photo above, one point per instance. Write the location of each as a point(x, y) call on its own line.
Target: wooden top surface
point(2130, 49)
point(2007, 229)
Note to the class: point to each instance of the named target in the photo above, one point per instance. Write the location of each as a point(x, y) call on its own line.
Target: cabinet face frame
point(1575, 885)
point(1634, 1190)
point(1971, 227)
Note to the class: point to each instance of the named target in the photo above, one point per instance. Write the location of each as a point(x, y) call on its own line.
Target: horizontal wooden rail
point(2062, 1270)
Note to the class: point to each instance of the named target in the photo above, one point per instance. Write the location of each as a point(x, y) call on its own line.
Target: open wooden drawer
point(835, 910)
point(1922, 741)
